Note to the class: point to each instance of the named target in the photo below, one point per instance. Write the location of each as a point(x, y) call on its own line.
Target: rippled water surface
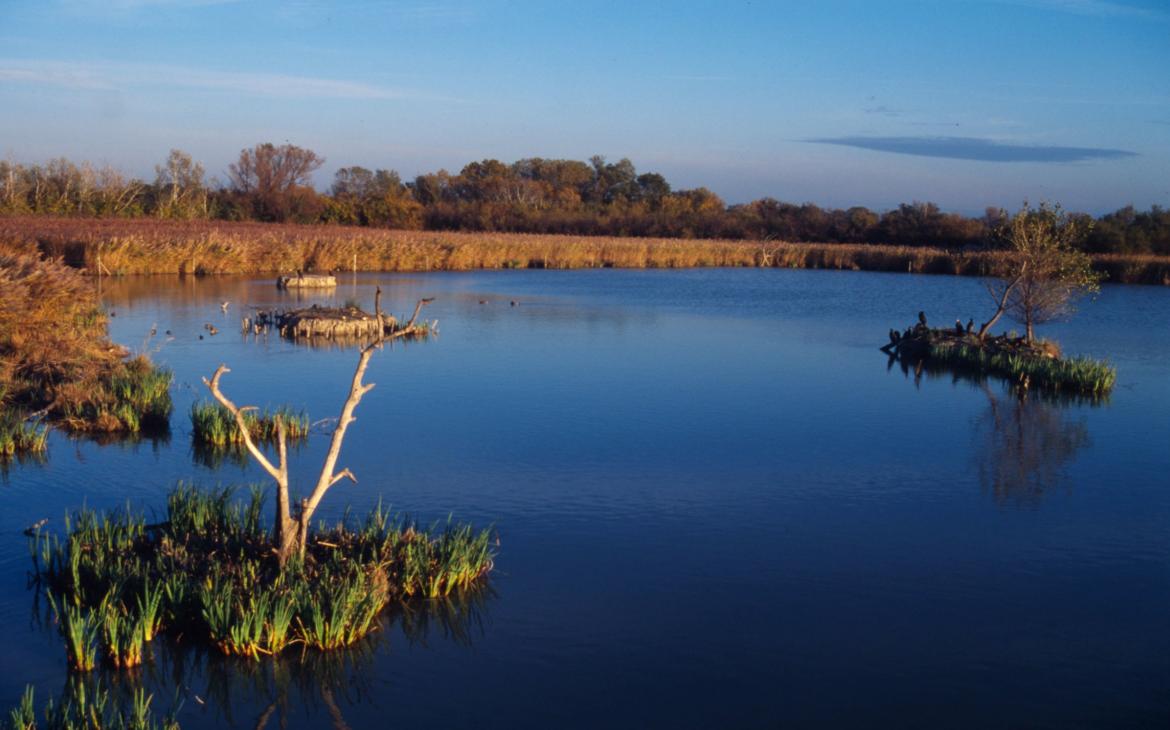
point(717, 506)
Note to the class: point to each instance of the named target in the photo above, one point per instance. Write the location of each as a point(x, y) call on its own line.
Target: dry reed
point(145, 246)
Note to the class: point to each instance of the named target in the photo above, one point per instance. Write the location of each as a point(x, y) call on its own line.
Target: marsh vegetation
point(57, 361)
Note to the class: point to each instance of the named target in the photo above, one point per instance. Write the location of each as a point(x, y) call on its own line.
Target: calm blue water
point(716, 506)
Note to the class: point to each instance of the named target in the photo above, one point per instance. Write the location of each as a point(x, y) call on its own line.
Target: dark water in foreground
point(716, 505)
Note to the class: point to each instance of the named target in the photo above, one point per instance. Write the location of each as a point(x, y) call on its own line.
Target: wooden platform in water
point(299, 281)
point(316, 322)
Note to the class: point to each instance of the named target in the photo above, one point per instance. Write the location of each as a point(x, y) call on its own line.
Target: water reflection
point(922, 369)
point(1024, 444)
point(21, 461)
point(157, 437)
point(1025, 439)
point(227, 691)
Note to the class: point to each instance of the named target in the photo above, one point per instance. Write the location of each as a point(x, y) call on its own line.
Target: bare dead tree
point(291, 533)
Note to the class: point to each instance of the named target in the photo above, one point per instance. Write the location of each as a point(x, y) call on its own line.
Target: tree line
point(271, 182)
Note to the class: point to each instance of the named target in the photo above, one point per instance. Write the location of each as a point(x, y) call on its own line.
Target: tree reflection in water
point(1023, 445)
point(1024, 440)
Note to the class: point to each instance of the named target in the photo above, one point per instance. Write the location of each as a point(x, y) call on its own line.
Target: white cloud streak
point(125, 76)
point(1093, 8)
point(133, 5)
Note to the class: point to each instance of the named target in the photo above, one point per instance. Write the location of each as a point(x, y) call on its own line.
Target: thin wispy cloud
point(1093, 8)
point(699, 77)
point(424, 14)
point(125, 76)
point(883, 110)
point(974, 148)
point(132, 5)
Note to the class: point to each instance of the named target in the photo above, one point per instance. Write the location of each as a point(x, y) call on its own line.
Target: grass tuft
point(213, 425)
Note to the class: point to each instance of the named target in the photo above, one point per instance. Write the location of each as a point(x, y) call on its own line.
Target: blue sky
point(966, 103)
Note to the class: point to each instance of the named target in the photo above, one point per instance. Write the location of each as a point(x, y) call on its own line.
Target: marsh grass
point(1081, 375)
point(132, 396)
point(219, 247)
point(208, 572)
point(213, 425)
point(55, 357)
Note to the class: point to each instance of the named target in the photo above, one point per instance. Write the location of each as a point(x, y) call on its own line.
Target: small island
point(1039, 279)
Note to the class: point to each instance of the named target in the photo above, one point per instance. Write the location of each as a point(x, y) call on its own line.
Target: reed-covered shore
point(57, 364)
point(138, 246)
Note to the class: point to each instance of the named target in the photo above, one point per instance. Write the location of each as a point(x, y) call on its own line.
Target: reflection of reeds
point(218, 247)
point(458, 616)
point(210, 570)
point(88, 704)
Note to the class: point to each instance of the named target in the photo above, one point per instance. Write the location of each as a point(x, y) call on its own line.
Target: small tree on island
point(1041, 273)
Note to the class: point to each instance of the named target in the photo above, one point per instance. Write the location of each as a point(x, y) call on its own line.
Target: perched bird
point(958, 327)
point(428, 300)
point(970, 325)
point(922, 318)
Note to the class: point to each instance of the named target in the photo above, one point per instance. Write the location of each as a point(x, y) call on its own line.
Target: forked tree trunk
point(1002, 302)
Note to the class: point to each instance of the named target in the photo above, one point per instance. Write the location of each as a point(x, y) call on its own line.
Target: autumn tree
point(1041, 273)
point(276, 180)
point(372, 198)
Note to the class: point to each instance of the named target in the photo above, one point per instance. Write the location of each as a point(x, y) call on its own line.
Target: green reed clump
point(130, 396)
point(209, 571)
point(214, 425)
point(1077, 375)
point(79, 628)
point(346, 611)
point(18, 436)
point(122, 633)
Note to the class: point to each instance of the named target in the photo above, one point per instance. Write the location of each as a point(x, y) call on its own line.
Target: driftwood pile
point(317, 322)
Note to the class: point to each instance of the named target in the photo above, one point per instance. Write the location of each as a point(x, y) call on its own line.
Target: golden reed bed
point(144, 246)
